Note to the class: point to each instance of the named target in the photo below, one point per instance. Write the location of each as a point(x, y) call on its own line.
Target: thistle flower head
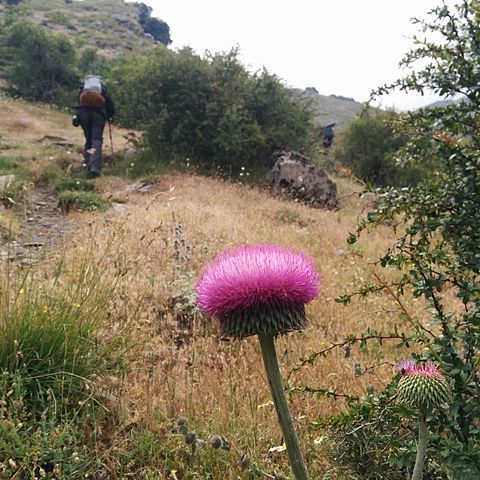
point(216, 441)
point(258, 288)
point(409, 367)
point(422, 385)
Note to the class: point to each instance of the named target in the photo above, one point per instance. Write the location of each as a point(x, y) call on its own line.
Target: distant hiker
point(95, 108)
point(328, 134)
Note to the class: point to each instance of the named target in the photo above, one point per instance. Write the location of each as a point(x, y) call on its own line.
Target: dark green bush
point(210, 110)
point(37, 65)
point(368, 146)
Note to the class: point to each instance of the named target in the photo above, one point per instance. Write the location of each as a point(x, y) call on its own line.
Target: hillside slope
point(155, 241)
point(330, 108)
point(112, 27)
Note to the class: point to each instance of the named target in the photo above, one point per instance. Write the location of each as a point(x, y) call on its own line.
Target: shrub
point(37, 66)
point(368, 145)
point(209, 110)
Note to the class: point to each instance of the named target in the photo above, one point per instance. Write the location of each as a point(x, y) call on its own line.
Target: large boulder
point(294, 177)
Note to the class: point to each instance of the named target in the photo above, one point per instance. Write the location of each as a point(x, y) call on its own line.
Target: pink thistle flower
point(409, 368)
point(258, 288)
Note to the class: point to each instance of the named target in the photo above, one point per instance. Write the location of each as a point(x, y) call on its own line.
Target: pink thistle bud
point(258, 289)
point(422, 385)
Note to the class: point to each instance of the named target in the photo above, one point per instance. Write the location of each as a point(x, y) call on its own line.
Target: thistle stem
point(297, 463)
point(422, 444)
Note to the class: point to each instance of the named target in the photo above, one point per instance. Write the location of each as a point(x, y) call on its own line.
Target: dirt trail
point(42, 226)
point(38, 135)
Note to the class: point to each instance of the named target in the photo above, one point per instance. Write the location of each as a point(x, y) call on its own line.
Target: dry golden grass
point(23, 127)
point(182, 368)
point(178, 364)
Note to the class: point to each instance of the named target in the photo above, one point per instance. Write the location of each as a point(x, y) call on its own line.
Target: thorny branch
point(349, 341)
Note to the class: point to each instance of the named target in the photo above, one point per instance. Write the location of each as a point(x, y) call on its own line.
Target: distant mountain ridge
point(330, 108)
point(447, 101)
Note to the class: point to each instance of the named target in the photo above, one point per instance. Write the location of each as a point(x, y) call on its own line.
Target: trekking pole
point(111, 140)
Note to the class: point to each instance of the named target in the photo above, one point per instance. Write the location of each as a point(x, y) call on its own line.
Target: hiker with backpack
point(95, 108)
point(328, 134)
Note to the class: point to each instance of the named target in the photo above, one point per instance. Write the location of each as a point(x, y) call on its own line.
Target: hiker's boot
point(95, 165)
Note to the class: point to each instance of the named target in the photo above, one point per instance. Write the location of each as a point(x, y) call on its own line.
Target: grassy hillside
point(330, 108)
point(110, 26)
point(152, 245)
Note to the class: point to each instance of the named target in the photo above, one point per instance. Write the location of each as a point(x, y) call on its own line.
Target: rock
point(140, 187)
point(6, 233)
point(125, 21)
point(55, 140)
point(294, 177)
point(129, 154)
point(119, 207)
point(28, 261)
point(6, 181)
point(33, 244)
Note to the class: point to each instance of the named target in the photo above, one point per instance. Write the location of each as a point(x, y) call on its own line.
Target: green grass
point(41, 446)
point(8, 165)
point(72, 199)
point(50, 334)
point(75, 191)
point(79, 184)
point(146, 164)
point(59, 18)
point(60, 181)
point(52, 354)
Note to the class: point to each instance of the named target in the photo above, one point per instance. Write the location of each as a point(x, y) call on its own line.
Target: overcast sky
point(341, 47)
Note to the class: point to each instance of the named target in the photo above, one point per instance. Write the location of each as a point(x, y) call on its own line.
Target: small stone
point(6, 181)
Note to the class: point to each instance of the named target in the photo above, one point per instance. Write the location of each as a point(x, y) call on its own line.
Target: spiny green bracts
point(422, 385)
point(271, 320)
